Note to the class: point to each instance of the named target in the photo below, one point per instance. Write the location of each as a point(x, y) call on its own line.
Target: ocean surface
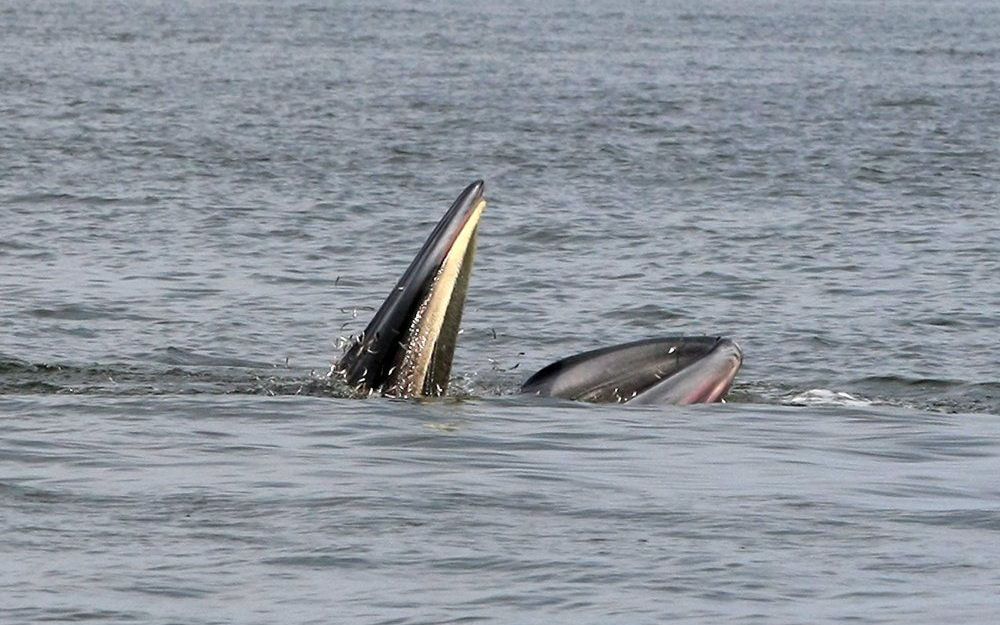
point(200, 200)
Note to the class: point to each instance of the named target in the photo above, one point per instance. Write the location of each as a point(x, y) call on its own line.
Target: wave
point(176, 371)
point(176, 375)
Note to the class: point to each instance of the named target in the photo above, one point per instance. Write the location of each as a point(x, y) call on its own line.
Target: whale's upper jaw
point(672, 370)
point(407, 348)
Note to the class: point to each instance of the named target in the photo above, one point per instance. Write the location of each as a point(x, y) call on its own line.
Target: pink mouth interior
point(713, 389)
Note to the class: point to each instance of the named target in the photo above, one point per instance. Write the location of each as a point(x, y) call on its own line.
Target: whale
point(407, 348)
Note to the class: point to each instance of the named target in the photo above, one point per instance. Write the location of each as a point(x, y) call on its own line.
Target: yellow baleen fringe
point(425, 329)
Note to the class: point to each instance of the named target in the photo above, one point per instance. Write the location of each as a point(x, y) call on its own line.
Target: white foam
point(826, 397)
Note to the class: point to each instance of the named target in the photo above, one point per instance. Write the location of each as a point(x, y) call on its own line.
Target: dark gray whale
point(407, 348)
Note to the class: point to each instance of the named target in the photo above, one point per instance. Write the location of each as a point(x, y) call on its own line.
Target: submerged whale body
point(407, 348)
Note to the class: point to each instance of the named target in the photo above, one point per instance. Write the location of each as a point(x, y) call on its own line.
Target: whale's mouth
point(672, 370)
point(407, 348)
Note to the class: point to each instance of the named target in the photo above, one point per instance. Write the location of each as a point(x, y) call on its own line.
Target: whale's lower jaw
point(671, 370)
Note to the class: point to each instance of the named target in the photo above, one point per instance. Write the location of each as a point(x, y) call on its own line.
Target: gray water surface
point(200, 199)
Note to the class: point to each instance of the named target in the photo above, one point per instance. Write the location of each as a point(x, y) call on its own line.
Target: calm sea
point(199, 199)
